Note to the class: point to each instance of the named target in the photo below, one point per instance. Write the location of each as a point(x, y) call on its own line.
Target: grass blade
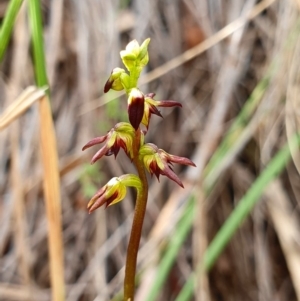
point(36, 27)
point(8, 24)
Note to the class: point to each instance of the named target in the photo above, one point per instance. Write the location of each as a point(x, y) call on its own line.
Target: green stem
point(8, 24)
point(35, 19)
point(137, 225)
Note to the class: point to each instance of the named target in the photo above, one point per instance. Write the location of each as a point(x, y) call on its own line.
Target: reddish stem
point(137, 225)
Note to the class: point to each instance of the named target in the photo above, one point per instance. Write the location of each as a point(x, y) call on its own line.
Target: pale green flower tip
point(133, 48)
point(144, 49)
point(135, 56)
point(113, 181)
point(130, 54)
point(116, 73)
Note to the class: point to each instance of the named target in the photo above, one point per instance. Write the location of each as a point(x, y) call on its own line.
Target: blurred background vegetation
point(234, 66)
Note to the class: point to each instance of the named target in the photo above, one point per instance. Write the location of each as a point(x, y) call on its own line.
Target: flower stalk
point(130, 137)
point(137, 224)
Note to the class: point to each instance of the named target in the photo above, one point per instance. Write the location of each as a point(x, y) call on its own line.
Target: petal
point(101, 201)
point(115, 149)
point(121, 193)
point(143, 51)
point(108, 85)
point(103, 151)
point(150, 95)
point(133, 48)
point(168, 172)
point(114, 81)
point(98, 195)
point(154, 169)
point(175, 159)
point(114, 198)
point(95, 141)
point(181, 160)
point(168, 103)
point(154, 110)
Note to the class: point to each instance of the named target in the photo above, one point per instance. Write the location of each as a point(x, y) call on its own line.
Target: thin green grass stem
point(8, 24)
point(35, 18)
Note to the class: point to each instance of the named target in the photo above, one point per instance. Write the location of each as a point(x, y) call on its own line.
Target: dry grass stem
point(28, 97)
point(51, 185)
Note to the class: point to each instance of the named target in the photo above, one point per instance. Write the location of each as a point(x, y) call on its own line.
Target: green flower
point(114, 191)
point(159, 162)
point(120, 136)
point(117, 81)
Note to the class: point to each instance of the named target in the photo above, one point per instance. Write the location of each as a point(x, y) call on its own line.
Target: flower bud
point(135, 57)
point(115, 80)
point(143, 55)
point(113, 192)
point(136, 102)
